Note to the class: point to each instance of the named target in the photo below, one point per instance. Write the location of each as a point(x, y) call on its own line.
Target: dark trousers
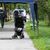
point(2, 22)
point(18, 25)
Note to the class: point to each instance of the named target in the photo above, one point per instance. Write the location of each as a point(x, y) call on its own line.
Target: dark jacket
point(19, 22)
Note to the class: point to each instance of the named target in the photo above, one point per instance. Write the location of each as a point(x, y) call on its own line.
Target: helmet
point(15, 13)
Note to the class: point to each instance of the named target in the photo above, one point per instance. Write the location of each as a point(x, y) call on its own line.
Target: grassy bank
point(42, 41)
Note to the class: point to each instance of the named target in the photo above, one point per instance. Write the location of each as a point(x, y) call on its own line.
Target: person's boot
point(14, 36)
point(22, 36)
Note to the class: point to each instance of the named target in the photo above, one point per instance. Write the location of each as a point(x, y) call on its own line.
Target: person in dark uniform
point(18, 24)
point(2, 17)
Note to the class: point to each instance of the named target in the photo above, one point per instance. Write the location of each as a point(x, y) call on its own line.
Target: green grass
point(42, 41)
